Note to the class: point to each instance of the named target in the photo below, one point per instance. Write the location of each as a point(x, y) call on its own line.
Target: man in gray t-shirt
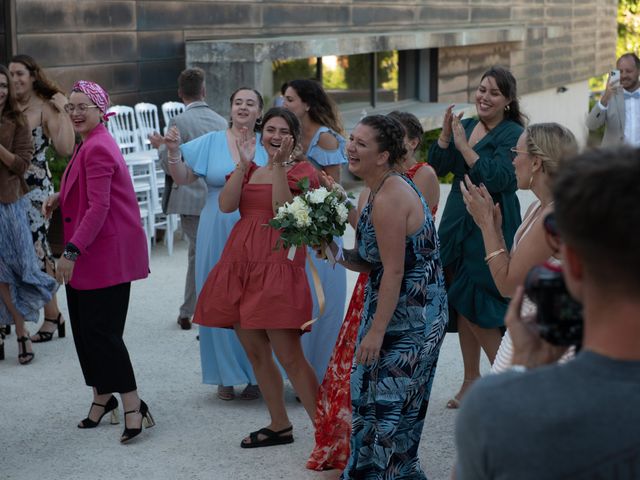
point(579, 420)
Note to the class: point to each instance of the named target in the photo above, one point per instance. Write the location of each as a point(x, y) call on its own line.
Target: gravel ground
point(196, 435)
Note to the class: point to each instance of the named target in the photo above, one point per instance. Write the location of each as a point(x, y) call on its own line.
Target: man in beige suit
point(619, 108)
point(188, 200)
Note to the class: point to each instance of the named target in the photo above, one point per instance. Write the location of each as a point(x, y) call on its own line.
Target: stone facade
point(137, 48)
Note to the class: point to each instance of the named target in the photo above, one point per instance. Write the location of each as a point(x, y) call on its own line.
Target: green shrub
point(423, 153)
point(57, 164)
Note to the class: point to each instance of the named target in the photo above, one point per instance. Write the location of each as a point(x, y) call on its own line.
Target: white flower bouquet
point(312, 218)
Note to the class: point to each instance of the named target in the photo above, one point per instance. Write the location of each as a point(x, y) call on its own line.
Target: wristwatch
point(71, 252)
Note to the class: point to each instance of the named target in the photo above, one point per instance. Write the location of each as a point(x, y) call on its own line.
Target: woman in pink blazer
point(105, 251)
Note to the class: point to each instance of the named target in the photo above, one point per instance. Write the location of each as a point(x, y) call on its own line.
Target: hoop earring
point(530, 182)
point(258, 122)
point(507, 108)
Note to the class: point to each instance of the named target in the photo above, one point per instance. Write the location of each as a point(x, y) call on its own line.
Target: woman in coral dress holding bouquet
point(258, 290)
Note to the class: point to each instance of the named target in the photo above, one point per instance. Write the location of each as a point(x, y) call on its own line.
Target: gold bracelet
point(493, 255)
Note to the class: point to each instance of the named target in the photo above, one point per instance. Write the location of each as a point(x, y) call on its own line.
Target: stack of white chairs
point(131, 128)
point(170, 110)
point(122, 126)
point(148, 123)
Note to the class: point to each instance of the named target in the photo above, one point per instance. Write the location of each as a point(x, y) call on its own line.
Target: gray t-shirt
point(579, 420)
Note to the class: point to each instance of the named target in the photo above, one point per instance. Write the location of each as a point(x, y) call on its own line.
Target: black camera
point(558, 317)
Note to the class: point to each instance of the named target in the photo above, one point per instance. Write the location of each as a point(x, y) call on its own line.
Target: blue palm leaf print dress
point(390, 397)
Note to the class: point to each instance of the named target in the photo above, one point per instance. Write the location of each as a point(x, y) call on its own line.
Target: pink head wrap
point(96, 93)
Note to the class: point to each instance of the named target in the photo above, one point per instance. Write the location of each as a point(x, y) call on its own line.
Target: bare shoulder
point(327, 141)
point(396, 195)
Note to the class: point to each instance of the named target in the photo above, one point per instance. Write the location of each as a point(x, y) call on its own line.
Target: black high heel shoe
point(147, 422)
point(110, 406)
point(24, 357)
point(1, 345)
point(47, 336)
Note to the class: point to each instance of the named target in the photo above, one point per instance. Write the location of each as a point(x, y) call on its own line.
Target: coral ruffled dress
point(254, 284)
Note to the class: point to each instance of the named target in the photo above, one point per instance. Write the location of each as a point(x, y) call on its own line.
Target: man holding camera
point(619, 108)
point(580, 419)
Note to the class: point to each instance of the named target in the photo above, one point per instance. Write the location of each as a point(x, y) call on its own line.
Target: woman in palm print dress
point(42, 102)
point(405, 309)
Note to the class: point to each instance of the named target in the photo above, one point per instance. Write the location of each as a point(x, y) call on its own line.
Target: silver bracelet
point(173, 160)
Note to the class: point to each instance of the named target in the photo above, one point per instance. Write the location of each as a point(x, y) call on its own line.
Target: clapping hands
point(172, 140)
point(480, 205)
point(246, 145)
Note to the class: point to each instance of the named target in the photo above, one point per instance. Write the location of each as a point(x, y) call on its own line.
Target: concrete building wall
point(137, 48)
point(568, 105)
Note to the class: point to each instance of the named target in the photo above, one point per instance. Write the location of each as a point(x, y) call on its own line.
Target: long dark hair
point(256, 127)
point(389, 136)
point(42, 85)
point(322, 109)
point(292, 122)
point(506, 83)
point(11, 109)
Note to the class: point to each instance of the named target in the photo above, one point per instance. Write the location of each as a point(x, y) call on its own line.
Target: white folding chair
point(149, 177)
point(122, 126)
point(170, 110)
point(141, 169)
point(147, 118)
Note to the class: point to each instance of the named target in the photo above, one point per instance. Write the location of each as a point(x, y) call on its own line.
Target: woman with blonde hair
point(539, 152)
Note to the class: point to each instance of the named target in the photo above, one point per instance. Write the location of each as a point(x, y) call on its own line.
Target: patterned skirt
point(29, 286)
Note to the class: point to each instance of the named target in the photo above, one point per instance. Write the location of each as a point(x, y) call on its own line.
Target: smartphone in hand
point(614, 78)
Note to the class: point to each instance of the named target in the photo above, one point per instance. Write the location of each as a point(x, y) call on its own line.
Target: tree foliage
point(628, 27)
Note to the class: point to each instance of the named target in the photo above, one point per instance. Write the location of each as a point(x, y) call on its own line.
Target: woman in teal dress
point(480, 148)
point(213, 157)
point(324, 147)
point(404, 314)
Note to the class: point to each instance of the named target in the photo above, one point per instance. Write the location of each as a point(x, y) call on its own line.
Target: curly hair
point(42, 85)
point(412, 126)
point(11, 109)
point(322, 109)
point(389, 136)
point(292, 122)
point(552, 144)
point(506, 83)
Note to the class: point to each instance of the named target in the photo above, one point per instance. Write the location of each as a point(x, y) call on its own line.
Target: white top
point(632, 118)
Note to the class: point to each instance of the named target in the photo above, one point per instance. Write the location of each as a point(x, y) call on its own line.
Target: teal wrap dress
point(472, 291)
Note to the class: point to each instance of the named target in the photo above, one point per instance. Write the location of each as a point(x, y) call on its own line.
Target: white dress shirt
point(632, 117)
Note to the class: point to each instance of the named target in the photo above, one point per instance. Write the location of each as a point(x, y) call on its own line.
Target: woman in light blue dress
point(213, 157)
point(324, 146)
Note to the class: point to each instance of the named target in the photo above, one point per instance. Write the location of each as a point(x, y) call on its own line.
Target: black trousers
point(97, 321)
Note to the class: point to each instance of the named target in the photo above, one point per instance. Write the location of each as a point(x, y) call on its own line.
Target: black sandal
point(271, 438)
point(47, 336)
point(24, 357)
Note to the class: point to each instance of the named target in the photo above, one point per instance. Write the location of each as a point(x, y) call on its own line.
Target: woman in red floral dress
point(333, 407)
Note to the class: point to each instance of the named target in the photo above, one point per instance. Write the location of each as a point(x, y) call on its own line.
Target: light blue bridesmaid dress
point(222, 357)
point(318, 345)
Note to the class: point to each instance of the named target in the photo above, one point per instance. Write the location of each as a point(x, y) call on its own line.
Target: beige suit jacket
point(612, 118)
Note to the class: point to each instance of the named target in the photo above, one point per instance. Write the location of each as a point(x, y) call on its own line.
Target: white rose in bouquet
point(318, 195)
point(343, 212)
point(303, 219)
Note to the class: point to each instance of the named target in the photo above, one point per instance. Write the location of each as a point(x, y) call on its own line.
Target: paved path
point(196, 435)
